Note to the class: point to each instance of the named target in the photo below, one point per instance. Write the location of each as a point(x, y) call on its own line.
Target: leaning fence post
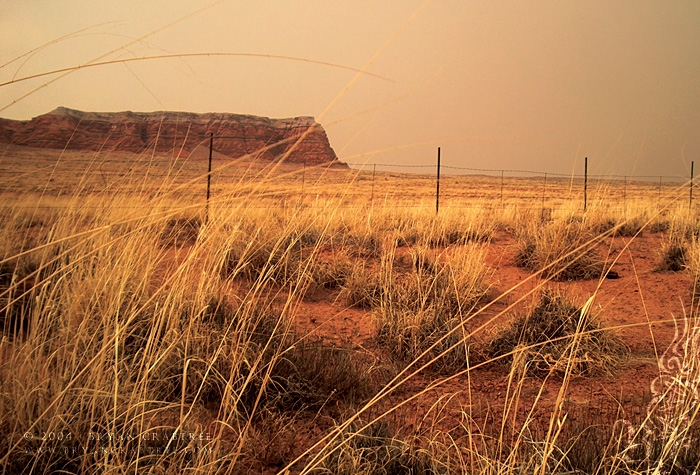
point(374, 171)
point(585, 185)
point(437, 191)
point(211, 148)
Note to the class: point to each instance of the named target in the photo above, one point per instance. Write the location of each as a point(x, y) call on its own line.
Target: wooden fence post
point(303, 182)
point(501, 187)
point(690, 203)
point(585, 185)
point(211, 149)
point(544, 192)
point(437, 191)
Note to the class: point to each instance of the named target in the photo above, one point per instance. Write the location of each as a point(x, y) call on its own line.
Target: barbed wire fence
point(129, 171)
point(512, 173)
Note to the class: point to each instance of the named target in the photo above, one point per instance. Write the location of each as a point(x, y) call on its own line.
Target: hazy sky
point(497, 84)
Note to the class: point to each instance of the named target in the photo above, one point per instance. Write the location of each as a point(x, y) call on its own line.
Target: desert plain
point(316, 319)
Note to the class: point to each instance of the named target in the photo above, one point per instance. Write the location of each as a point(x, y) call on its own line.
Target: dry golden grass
point(129, 312)
point(146, 331)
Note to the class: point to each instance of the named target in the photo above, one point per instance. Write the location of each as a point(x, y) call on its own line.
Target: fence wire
point(115, 178)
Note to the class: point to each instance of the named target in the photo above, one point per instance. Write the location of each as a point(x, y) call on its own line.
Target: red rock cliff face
point(301, 139)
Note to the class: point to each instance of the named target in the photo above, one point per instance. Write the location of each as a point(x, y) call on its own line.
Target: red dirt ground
point(640, 295)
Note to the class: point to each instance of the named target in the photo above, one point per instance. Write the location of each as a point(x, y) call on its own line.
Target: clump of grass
point(251, 353)
point(361, 244)
point(449, 228)
point(563, 250)
point(333, 272)
point(676, 251)
point(623, 225)
point(416, 310)
point(557, 335)
point(683, 226)
point(694, 268)
point(268, 257)
point(364, 286)
point(659, 225)
point(674, 256)
point(181, 230)
point(272, 439)
point(358, 235)
point(376, 449)
point(16, 291)
point(592, 439)
point(91, 311)
point(156, 345)
point(668, 434)
point(23, 278)
point(312, 373)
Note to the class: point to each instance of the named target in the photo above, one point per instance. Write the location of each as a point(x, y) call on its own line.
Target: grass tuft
point(181, 230)
point(377, 450)
point(418, 308)
point(556, 335)
point(674, 256)
point(564, 250)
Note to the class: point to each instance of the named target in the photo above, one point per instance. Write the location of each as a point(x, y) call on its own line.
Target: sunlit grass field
point(317, 320)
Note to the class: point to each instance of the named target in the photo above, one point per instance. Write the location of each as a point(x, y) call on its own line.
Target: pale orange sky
point(497, 84)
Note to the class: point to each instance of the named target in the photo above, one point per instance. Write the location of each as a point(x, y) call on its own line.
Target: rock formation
point(300, 139)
